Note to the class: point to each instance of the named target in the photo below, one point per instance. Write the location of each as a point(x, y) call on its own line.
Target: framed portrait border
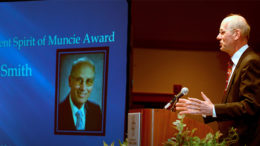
point(75, 51)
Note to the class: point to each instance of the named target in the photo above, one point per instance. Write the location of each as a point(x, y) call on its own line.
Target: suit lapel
point(69, 115)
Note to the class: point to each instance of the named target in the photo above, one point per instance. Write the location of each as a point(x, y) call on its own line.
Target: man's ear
point(237, 34)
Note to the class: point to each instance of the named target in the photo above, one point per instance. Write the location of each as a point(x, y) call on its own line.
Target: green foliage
point(185, 137)
point(113, 143)
point(125, 143)
point(105, 144)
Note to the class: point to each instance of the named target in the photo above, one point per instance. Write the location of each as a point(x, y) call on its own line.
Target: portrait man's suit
point(93, 116)
point(244, 93)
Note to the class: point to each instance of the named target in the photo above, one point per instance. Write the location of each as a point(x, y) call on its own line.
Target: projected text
point(15, 71)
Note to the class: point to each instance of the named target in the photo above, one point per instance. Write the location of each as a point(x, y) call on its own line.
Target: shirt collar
point(238, 54)
point(75, 108)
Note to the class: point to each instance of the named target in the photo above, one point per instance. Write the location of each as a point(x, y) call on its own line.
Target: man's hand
point(195, 106)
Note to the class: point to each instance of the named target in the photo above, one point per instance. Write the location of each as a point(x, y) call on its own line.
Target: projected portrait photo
point(81, 78)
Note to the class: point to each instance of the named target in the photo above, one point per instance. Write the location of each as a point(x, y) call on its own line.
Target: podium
point(156, 126)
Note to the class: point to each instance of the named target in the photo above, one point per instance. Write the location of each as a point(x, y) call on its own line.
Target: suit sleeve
point(249, 95)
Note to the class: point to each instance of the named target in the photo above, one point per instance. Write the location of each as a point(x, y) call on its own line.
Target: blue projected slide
point(62, 72)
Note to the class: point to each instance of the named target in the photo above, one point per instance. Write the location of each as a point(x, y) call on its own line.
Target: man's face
point(226, 38)
point(81, 83)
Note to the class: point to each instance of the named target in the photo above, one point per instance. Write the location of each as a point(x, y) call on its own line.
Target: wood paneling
point(157, 127)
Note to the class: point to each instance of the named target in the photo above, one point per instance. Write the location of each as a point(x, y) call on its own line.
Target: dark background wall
point(189, 24)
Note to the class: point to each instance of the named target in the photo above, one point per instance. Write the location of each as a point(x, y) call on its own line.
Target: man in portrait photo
point(76, 112)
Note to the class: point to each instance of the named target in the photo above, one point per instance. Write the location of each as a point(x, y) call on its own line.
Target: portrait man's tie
point(79, 123)
point(228, 74)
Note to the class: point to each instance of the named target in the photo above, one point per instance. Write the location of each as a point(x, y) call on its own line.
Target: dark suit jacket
point(93, 116)
point(241, 105)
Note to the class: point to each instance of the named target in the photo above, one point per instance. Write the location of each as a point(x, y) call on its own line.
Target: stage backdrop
point(31, 32)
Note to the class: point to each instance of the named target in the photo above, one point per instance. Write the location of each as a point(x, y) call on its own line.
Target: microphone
point(184, 91)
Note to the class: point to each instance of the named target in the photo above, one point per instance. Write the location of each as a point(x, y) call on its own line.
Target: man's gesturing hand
point(195, 106)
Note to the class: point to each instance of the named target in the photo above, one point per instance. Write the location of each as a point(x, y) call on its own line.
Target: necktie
point(228, 74)
point(79, 123)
